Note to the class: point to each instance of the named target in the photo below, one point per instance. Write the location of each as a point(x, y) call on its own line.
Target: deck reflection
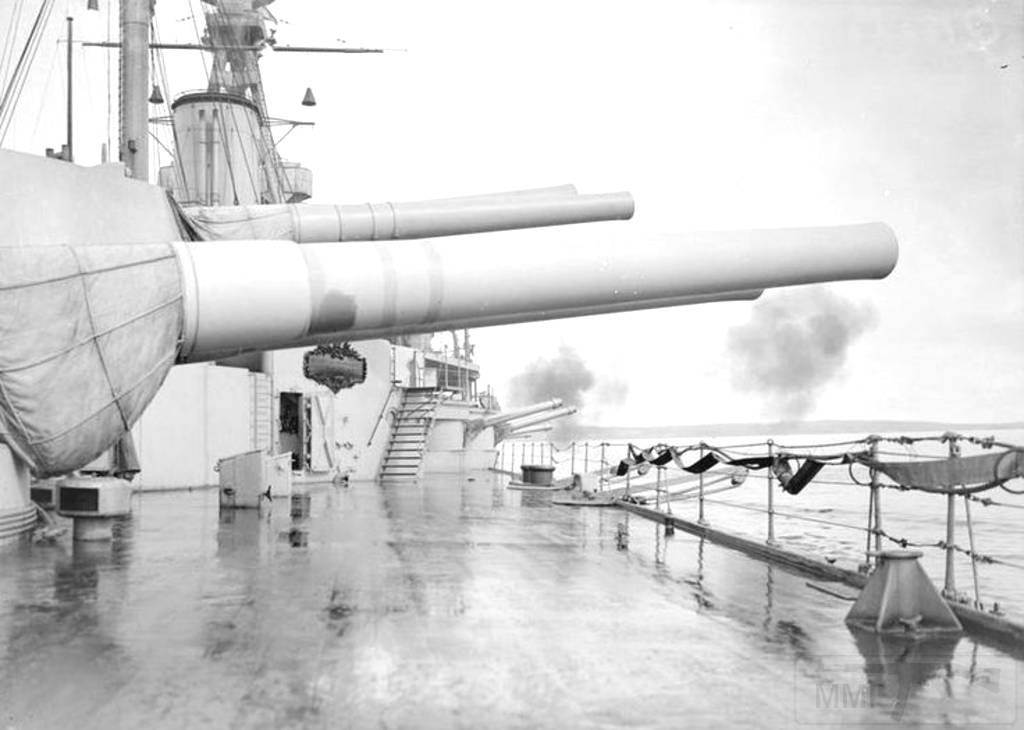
point(448, 603)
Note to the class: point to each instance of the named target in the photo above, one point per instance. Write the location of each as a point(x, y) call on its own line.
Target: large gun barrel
point(260, 295)
point(401, 221)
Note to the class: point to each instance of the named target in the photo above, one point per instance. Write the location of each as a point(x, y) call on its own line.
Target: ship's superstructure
point(225, 155)
point(225, 152)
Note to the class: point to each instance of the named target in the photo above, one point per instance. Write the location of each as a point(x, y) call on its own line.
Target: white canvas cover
point(87, 335)
point(269, 222)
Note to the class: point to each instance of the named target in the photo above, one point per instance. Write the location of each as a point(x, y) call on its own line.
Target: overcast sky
point(715, 116)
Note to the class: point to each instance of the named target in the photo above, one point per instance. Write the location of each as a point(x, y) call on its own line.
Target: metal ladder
point(409, 430)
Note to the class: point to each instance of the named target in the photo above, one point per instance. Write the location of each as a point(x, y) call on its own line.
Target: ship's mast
point(133, 141)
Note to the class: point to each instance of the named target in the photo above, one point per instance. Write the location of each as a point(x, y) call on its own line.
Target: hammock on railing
point(954, 474)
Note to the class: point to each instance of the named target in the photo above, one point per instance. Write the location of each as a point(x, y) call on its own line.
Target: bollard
point(537, 474)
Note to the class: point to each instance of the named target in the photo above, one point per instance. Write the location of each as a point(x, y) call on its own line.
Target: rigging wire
point(163, 80)
point(109, 85)
point(46, 87)
point(254, 134)
point(15, 86)
point(6, 54)
point(791, 515)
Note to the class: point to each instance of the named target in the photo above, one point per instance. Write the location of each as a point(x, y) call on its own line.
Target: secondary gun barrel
point(241, 296)
point(505, 416)
point(320, 223)
point(531, 431)
point(539, 418)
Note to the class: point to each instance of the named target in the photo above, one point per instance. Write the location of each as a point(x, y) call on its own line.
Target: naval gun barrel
point(530, 432)
point(319, 223)
point(539, 418)
point(242, 296)
point(505, 416)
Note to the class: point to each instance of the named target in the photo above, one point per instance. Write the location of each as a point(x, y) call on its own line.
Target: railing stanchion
point(949, 586)
point(700, 481)
point(572, 458)
point(771, 494)
point(878, 507)
point(874, 512)
point(866, 565)
point(974, 559)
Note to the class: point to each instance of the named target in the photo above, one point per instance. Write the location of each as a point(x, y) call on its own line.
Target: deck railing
point(624, 471)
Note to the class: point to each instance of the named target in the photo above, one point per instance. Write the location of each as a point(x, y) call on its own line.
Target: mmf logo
point(898, 689)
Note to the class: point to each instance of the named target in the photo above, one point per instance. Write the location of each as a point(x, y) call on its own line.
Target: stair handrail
point(380, 416)
point(432, 404)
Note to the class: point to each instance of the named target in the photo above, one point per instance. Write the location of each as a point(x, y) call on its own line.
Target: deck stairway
point(409, 430)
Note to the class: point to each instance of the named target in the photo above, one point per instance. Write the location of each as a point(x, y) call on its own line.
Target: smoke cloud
point(794, 344)
point(565, 376)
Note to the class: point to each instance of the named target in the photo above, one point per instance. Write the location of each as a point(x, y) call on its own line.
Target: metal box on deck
point(253, 477)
